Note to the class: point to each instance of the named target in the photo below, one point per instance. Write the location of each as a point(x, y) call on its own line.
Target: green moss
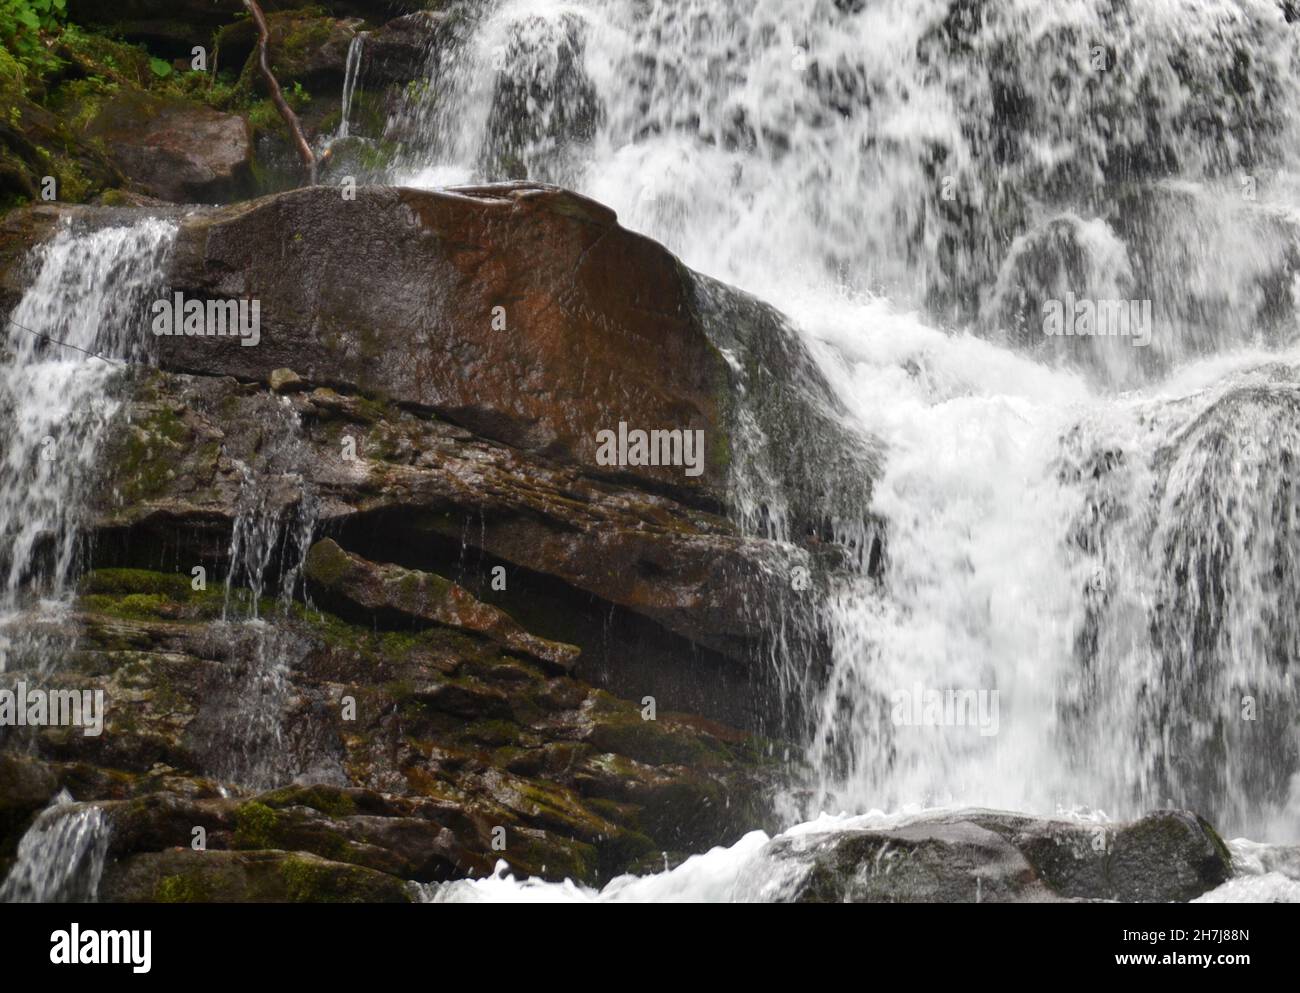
point(139, 594)
point(144, 605)
point(12, 77)
point(189, 887)
point(104, 59)
point(624, 732)
point(327, 563)
point(494, 732)
point(263, 116)
point(255, 826)
point(398, 644)
point(125, 582)
point(536, 853)
point(114, 198)
point(84, 100)
point(305, 881)
point(143, 463)
point(328, 800)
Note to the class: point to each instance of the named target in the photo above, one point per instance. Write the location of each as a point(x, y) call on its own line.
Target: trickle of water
point(272, 533)
point(351, 78)
point(61, 857)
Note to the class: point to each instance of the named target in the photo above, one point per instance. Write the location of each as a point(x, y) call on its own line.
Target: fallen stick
point(277, 96)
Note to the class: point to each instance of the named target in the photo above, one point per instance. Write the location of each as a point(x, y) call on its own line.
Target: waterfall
point(79, 323)
point(1091, 534)
point(1044, 258)
point(276, 517)
point(61, 857)
point(351, 77)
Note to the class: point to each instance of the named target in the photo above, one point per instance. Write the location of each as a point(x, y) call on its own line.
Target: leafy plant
point(160, 68)
point(21, 24)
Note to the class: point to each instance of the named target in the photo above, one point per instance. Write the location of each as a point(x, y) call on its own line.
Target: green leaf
point(161, 68)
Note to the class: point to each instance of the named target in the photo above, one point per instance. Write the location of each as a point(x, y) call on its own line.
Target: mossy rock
point(330, 800)
point(185, 876)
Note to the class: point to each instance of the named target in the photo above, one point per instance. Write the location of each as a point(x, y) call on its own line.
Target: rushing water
point(61, 857)
point(1092, 538)
point(74, 330)
point(1102, 529)
point(75, 327)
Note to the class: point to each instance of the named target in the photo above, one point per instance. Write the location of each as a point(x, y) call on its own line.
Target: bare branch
point(277, 96)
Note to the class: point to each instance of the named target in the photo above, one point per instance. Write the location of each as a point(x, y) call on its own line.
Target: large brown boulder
point(441, 438)
point(524, 313)
point(176, 150)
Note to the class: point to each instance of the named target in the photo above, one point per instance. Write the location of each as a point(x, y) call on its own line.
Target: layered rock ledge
point(491, 645)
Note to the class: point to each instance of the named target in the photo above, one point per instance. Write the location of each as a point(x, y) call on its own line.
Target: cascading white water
point(76, 325)
point(61, 857)
point(971, 160)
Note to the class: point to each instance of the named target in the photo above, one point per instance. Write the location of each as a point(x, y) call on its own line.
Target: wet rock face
point(524, 638)
point(302, 47)
point(399, 51)
point(420, 755)
point(660, 597)
point(27, 135)
point(989, 857)
point(174, 150)
point(523, 313)
point(246, 877)
point(419, 598)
